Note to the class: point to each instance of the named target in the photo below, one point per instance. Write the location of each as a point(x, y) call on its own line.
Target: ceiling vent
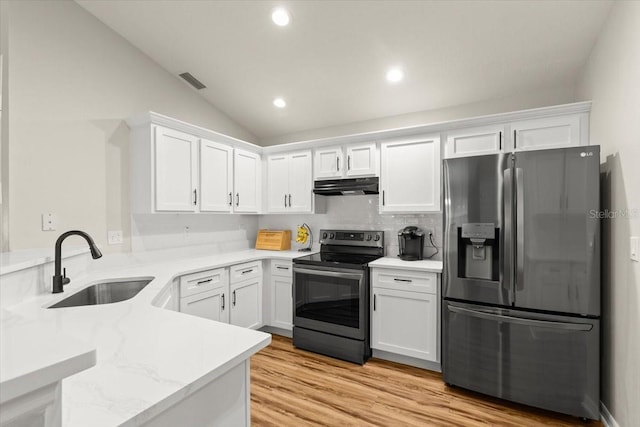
point(192, 81)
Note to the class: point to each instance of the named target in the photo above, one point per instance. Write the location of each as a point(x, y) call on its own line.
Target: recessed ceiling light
point(279, 102)
point(394, 75)
point(281, 17)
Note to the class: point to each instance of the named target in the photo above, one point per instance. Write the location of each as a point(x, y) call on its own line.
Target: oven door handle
point(326, 273)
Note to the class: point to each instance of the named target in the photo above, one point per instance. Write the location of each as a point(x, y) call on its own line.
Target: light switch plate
point(635, 248)
point(49, 221)
point(114, 237)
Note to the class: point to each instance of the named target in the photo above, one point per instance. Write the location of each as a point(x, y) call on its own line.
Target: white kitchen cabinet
point(410, 175)
point(348, 161)
point(474, 141)
point(216, 177)
point(175, 170)
point(205, 294)
point(289, 182)
point(549, 132)
point(246, 178)
point(281, 288)
point(181, 168)
point(405, 313)
point(245, 291)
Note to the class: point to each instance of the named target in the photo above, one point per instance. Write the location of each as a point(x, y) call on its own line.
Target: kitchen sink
point(105, 292)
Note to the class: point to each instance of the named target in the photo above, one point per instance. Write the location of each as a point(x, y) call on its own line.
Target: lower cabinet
point(404, 313)
point(210, 304)
point(246, 304)
point(281, 287)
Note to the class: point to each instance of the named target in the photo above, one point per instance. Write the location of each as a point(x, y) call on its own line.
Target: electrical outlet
point(635, 247)
point(114, 237)
point(49, 221)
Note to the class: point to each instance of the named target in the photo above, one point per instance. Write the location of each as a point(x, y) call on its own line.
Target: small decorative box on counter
point(274, 240)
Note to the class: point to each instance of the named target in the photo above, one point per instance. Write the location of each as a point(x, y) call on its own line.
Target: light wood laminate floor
point(292, 387)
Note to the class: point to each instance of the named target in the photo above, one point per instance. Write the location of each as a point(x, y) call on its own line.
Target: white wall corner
point(606, 417)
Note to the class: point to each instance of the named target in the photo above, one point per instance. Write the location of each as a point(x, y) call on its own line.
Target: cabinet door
point(246, 181)
point(474, 142)
point(328, 163)
point(550, 132)
point(246, 304)
point(175, 170)
point(300, 182)
point(281, 302)
point(410, 175)
point(216, 176)
point(404, 323)
point(212, 305)
point(278, 182)
point(361, 160)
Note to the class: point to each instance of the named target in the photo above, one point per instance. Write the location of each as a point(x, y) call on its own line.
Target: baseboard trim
point(606, 417)
point(277, 331)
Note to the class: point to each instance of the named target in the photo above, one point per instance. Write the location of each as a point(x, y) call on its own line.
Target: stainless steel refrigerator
point(521, 281)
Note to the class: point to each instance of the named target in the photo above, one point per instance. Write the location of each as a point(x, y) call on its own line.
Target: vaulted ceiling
point(330, 63)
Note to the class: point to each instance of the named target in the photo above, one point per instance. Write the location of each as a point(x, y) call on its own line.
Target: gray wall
point(73, 82)
point(612, 80)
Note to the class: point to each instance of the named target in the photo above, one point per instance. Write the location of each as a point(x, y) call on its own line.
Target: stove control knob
point(324, 235)
point(331, 236)
point(368, 237)
point(377, 237)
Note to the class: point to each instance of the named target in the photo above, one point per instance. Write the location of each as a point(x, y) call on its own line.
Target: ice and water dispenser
point(478, 251)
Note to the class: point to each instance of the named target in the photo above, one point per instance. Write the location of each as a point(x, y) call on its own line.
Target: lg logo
point(586, 154)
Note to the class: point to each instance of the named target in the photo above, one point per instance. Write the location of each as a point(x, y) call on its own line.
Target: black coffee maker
point(411, 243)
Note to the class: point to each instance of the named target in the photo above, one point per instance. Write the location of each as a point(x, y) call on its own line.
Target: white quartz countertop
point(395, 262)
point(147, 358)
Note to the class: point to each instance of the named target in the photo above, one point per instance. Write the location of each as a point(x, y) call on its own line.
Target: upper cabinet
point(289, 182)
point(560, 131)
point(246, 181)
point(349, 161)
point(176, 170)
point(410, 175)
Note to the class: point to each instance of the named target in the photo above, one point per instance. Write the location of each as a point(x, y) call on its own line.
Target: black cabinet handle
point(223, 301)
point(195, 197)
point(374, 302)
point(230, 199)
point(247, 271)
point(282, 268)
point(382, 197)
point(289, 200)
point(201, 282)
point(338, 164)
point(403, 280)
point(285, 200)
point(348, 163)
point(237, 199)
point(515, 145)
point(233, 298)
point(500, 141)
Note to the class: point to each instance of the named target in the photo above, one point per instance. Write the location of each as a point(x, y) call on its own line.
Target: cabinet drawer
point(281, 268)
point(196, 283)
point(414, 281)
point(248, 270)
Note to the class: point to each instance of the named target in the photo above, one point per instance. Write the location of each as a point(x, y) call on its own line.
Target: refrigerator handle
point(507, 276)
point(519, 228)
point(521, 320)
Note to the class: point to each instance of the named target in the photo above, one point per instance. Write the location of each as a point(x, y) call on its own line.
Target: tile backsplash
point(360, 213)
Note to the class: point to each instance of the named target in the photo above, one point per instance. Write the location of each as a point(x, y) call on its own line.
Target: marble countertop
point(147, 358)
point(395, 262)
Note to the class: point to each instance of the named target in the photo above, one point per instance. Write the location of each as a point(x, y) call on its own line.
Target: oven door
point(331, 300)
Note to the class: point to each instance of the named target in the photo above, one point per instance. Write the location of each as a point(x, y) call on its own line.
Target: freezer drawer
point(550, 362)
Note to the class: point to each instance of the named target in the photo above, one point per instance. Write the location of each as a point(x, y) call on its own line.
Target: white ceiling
point(330, 63)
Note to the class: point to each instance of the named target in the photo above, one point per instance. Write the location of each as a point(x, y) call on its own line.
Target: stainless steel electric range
point(331, 294)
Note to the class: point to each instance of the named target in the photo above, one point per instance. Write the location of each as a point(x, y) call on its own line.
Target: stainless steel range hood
point(346, 187)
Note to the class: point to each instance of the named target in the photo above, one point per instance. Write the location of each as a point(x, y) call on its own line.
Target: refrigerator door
point(476, 230)
point(551, 362)
point(557, 240)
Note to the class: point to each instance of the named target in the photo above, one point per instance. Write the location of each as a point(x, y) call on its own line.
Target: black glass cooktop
point(337, 259)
